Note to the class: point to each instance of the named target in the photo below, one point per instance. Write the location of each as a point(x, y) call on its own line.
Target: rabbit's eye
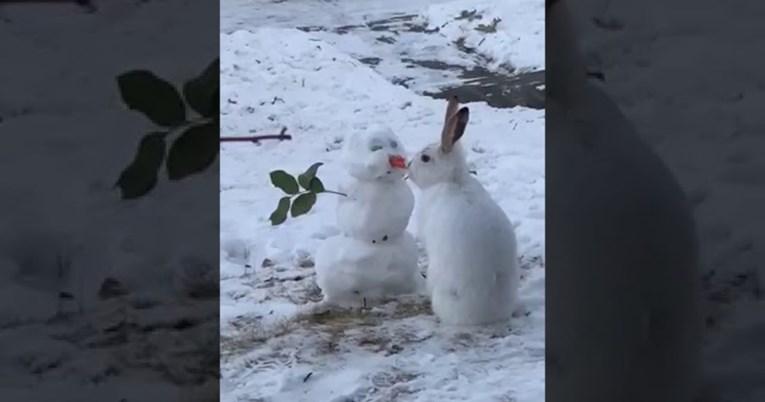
point(394, 144)
point(374, 148)
point(425, 158)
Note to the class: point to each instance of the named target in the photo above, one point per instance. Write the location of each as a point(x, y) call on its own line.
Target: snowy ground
point(63, 125)
point(679, 73)
point(422, 45)
point(319, 83)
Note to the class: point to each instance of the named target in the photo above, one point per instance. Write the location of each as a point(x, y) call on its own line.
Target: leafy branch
point(297, 202)
point(193, 150)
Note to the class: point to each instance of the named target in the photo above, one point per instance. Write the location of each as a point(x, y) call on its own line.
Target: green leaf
point(280, 213)
point(201, 93)
point(193, 151)
point(284, 181)
point(156, 98)
point(303, 204)
point(316, 185)
point(141, 175)
point(305, 178)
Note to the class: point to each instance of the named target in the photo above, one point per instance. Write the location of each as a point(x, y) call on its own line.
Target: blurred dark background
point(689, 78)
point(108, 260)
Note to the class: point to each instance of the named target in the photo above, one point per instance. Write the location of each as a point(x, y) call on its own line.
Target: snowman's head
point(375, 154)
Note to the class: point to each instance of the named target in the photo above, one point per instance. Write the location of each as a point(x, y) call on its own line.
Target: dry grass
point(368, 328)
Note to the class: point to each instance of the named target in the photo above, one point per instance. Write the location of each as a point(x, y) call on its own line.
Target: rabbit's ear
point(462, 118)
point(451, 108)
point(454, 129)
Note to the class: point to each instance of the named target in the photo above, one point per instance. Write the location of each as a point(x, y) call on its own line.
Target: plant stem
point(335, 192)
point(187, 124)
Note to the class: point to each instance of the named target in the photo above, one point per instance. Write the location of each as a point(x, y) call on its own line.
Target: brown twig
point(256, 138)
point(87, 4)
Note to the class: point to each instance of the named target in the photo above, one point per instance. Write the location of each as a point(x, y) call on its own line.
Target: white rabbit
point(473, 267)
point(622, 289)
point(379, 203)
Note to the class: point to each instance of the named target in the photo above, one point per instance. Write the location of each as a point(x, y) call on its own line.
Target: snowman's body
point(374, 210)
point(355, 272)
point(373, 257)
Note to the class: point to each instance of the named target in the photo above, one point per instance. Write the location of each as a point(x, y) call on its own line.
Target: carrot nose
point(397, 161)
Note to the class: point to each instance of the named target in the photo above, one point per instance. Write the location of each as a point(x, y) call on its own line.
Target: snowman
point(373, 257)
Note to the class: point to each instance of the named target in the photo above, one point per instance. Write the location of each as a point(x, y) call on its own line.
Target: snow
point(352, 272)
point(389, 34)
point(313, 82)
point(372, 216)
point(679, 75)
point(518, 41)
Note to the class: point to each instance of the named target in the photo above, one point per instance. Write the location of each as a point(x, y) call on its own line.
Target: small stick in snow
point(307, 376)
point(257, 138)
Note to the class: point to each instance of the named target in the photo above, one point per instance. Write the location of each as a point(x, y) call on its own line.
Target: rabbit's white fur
point(473, 267)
